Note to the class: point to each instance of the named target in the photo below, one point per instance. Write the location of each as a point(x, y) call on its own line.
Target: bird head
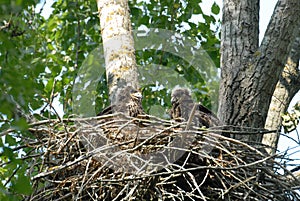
point(136, 95)
point(179, 93)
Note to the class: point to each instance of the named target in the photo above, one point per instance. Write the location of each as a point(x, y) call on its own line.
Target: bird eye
point(136, 94)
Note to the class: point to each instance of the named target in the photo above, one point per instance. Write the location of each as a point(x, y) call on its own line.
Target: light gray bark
point(286, 88)
point(249, 72)
point(118, 45)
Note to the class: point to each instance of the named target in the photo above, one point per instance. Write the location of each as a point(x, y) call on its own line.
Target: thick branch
point(239, 39)
point(286, 88)
point(246, 94)
point(118, 45)
point(274, 51)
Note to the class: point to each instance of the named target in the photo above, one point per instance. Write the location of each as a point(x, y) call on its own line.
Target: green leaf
point(144, 20)
point(10, 140)
point(22, 185)
point(4, 195)
point(49, 85)
point(20, 124)
point(8, 153)
point(135, 11)
point(215, 9)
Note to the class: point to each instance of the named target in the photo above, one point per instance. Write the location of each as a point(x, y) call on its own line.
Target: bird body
point(128, 101)
point(135, 105)
point(182, 105)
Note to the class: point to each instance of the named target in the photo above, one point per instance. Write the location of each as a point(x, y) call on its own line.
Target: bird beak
point(173, 99)
point(136, 95)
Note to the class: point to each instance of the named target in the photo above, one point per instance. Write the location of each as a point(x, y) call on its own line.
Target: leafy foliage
point(182, 17)
point(39, 60)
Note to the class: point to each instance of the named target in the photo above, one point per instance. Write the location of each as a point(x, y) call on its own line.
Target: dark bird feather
point(182, 105)
point(128, 101)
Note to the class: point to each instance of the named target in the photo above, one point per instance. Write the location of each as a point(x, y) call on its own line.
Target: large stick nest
point(115, 157)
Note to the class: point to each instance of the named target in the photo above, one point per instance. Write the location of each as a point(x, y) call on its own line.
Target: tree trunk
point(118, 45)
point(286, 88)
point(249, 72)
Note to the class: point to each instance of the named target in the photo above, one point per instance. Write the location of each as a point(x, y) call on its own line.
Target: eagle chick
point(182, 105)
point(128, 101)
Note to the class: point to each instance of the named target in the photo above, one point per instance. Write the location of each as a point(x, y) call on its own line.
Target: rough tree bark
point(286, 88)
point(118, 45)
point(250, 72)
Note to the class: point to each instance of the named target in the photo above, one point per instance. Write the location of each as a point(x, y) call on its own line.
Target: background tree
point(118, 44)
point(286, 88)
point(250, 72)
